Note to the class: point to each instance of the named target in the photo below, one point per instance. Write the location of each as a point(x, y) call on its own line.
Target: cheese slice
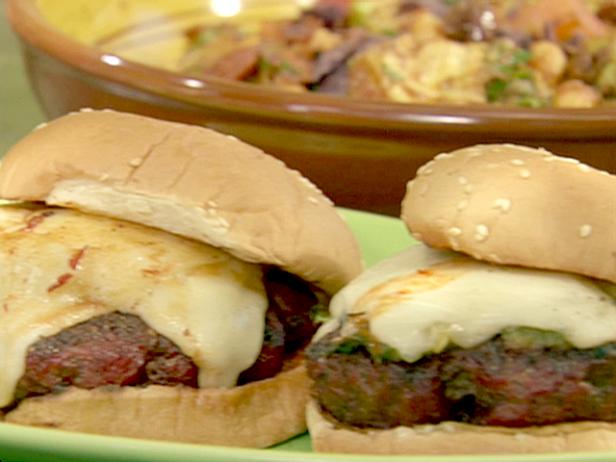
point(423, 300)
point(60, 267)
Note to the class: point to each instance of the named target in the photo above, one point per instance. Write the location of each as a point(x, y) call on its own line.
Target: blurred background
point(166, 59)
point(19, 111)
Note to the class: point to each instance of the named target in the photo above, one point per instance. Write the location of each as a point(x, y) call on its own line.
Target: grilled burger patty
point(111, 349)
point(504, 381)
point(120, 349)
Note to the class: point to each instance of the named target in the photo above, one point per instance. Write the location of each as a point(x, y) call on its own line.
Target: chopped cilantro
point(512, 78)
point(495, 89)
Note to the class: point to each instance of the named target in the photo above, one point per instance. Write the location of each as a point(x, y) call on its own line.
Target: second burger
point(498, 338)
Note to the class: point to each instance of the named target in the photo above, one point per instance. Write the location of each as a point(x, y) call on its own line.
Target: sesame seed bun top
point(516, 205)
point(186, 180)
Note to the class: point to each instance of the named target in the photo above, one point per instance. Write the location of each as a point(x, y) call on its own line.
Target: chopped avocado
point(350, 345)
point(521, 338)
point(319, 313)
point(362, 341)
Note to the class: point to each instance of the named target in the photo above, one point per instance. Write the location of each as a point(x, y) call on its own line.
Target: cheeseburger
point(160, 280)
point(497, 334)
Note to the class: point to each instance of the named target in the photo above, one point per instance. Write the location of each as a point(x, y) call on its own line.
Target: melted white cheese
point(62, 269)
point(421, 300)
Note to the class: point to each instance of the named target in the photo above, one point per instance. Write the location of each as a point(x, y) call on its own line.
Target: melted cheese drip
point(60, 267)
point(422, 300)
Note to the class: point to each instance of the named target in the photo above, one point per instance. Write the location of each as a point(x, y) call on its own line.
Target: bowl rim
point(315, 109)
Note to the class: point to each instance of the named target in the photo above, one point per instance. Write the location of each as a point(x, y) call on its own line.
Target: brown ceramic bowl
point(360, 153)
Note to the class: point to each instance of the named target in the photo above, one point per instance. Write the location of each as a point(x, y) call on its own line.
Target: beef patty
point(120, 349)
point(494, 383)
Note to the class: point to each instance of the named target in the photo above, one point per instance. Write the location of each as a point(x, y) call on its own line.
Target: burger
point(496, 334)
point(161, 281)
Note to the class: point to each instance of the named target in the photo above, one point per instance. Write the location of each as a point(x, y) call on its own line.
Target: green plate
point(379, 237)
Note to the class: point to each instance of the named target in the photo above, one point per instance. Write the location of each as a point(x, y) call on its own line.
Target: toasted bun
point(517, 205)
point(458, 438)
point(187, 180)
point(241, 416)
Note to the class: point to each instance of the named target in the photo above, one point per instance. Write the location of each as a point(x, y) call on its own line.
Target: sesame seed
point(517, 162)
point(584, 168)
point(425, 169)
point(462, 204)
point(481, 232)
point(468, 188)
point(307, 182)
point(549, 158)
point(135, 162)
point(103, 177)
point(525, 173)
point(223, 222)
point(86, 109)
point(442, 155)
point(495, 258)
point(423, 189)
point(482, 229)
point(585, 231)
point(212, 203)
point(39, 126)
point(502, 204)
point(454, 231)
point(417, 236)
point(462, 180)
point(454, 244)
point(568, 160)
point(313, 200)
point(474, 153)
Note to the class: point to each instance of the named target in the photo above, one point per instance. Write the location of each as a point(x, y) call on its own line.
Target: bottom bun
point(458, 438)
point(258, 414)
